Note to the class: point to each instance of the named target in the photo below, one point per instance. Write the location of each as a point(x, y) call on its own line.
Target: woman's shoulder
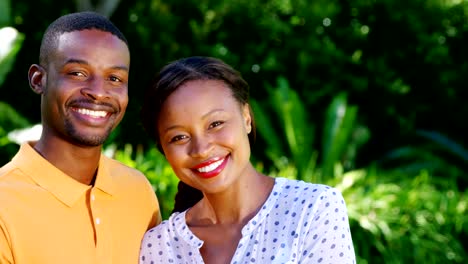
point(302, 193)
point(299, 186)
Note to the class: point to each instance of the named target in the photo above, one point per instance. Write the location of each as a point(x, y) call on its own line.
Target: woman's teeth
point(211, 167)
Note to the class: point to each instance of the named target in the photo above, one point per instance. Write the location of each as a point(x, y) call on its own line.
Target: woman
point(197, 110)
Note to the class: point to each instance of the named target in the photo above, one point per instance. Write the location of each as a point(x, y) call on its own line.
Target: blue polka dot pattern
point(299, 223)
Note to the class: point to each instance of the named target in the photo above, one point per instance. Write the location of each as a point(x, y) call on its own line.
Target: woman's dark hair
point(169, 79)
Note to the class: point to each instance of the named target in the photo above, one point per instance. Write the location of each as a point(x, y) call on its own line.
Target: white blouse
point(299, 223)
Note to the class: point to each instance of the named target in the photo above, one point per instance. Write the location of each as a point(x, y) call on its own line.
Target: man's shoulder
point(12, 180)
point(117, 166)
point(123, 173)
point(6, 170)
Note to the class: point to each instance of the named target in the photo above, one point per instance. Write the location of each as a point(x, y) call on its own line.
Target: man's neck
point(80, 163)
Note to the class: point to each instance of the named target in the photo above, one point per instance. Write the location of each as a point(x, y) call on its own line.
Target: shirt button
point(98, 221)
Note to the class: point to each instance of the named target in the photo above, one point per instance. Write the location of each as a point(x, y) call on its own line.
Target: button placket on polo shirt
point(103, 236)
point(95, 210)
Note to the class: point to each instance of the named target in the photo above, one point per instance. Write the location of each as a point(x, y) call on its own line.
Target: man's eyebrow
point(78, 61)
point(121, 68)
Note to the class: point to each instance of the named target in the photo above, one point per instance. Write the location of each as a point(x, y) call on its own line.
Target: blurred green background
point(364, 95)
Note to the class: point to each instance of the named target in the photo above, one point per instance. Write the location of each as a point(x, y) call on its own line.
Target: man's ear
point(37, 78)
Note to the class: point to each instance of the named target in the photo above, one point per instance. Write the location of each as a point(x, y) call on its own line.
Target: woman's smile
point(211, 168)
point(205, 137)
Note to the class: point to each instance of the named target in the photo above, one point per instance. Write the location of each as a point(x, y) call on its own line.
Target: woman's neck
point(236, 205)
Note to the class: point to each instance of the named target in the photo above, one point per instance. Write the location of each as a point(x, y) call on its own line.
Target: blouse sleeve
point(328, 239)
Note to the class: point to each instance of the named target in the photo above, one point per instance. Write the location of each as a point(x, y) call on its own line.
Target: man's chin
point(90, 141)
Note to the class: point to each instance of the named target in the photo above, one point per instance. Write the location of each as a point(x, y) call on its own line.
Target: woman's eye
point(216, 124)
point(177, 138)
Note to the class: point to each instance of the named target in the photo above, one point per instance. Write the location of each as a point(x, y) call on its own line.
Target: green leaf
point(5, 13)
point(266, 130)
point(10, 45)
point(339, 125)
point(446, 143)
point(10, 119)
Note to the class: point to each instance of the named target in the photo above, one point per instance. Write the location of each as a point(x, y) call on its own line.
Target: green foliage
point(340, 139)
point(5, 12)
point(11, 41)
point(434, 152)
point(403, 219)
point(295, 128)
point(446, 143)
point(7, 59)
point(9, 120)
point(339, 125)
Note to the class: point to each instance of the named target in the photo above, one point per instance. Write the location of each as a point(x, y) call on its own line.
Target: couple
point(62, 201)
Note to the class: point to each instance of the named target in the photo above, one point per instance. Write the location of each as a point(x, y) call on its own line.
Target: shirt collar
point(59, 184)
point(104, 180)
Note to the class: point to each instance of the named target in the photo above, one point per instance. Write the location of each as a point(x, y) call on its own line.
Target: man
point(61, 200)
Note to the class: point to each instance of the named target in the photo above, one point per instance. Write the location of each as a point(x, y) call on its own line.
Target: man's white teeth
point(92, 112)
point(211, 167)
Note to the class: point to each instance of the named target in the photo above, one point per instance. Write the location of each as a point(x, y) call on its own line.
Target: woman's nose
point(201, 147)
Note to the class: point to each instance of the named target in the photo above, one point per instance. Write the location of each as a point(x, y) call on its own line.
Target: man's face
point(86, 87)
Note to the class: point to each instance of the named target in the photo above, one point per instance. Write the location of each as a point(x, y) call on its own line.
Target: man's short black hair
point(74, 22)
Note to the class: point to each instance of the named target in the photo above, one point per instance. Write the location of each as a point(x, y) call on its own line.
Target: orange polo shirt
point(47, 217)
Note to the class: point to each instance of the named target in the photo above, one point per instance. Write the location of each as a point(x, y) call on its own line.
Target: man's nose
point(96, 89)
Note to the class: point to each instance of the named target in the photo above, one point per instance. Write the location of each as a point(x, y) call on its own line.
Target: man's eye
point(78, 74)
point(115, 79)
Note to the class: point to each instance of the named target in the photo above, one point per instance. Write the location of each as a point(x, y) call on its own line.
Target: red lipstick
point(210, 168)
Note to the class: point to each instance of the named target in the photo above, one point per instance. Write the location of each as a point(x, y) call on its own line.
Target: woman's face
point(204, 134)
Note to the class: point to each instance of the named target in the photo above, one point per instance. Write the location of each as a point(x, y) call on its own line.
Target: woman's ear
point(246, 114)
point(37, 78)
